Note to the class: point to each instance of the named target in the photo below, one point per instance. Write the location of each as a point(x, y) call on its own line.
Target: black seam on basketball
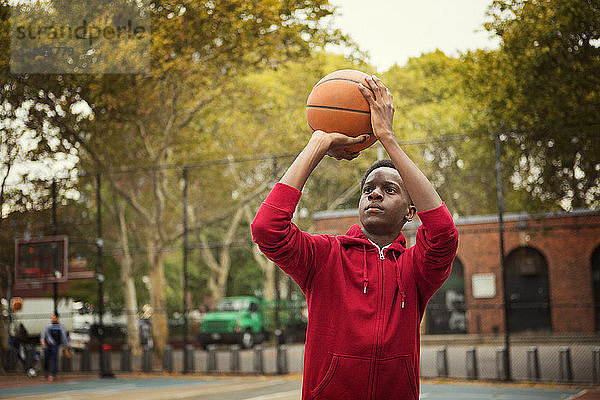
point(339, 109)
point(345, 79)
point(364, 133)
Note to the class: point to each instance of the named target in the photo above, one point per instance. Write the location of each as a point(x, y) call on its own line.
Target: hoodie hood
point(356, 237)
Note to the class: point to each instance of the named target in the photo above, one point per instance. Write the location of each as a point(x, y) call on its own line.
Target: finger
point(379, 86)
point(354, 155)
point(360, 139)
point(366, 93)
point(346, 155)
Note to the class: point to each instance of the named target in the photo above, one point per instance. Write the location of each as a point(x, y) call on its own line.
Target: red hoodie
point(364, 304)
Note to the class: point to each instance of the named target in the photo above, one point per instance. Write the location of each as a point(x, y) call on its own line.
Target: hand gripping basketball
point(382, 106)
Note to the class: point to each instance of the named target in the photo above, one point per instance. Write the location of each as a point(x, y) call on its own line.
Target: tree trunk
point(133, 333)
point(158, 300)
point(217, 280)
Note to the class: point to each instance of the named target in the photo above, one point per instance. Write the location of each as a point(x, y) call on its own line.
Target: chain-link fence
point(176, 239)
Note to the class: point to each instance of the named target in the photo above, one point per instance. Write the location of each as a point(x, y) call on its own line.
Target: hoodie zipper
point(379, 321)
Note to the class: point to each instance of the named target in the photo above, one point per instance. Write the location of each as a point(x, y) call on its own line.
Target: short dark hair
point(386, 162)
point(377, 164)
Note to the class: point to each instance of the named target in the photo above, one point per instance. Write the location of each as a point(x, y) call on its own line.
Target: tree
point(542, 89)
point(153, 119)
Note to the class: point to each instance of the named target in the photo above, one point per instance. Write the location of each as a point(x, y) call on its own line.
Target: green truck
point(248, 320)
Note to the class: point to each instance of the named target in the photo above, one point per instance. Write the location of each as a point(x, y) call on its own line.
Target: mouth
point(373, 207)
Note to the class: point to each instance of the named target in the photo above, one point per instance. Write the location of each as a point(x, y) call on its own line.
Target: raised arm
point(421, 191)
point(319, 145)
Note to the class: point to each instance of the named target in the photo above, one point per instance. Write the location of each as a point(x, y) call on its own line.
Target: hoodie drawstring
point(399, 280)
point(365, 277)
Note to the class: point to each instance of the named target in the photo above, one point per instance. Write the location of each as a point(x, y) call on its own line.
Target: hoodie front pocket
point(346, 378)
point(396, 378)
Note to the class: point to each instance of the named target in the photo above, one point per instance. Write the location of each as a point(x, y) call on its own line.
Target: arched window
point(596, 285)
point(446, 308)
point(528, 291)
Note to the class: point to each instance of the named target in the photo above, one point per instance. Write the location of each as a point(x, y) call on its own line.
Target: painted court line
point(281, 395)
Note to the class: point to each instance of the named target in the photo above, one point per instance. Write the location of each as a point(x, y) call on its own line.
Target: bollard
point(533, 364)
point(500, 358)
point(471, 363)
point(282, 359)
point(168, 358)
point(441, 362)
point(258, 364)
point(146, 359)
point(126, 358)
point(211, 361)
point(565, 371)
point(84, 360)
point(234, 358)
point(66, 363)
point(188, 358)
point(596, 366)
point(106, 362)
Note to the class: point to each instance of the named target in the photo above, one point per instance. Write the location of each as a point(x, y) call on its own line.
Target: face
point(384, 203)
point(54, 319)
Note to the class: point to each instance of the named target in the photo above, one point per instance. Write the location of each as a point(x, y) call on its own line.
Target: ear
point(412, 210)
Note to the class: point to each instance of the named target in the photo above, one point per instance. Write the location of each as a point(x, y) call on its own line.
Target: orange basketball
point(336, 104)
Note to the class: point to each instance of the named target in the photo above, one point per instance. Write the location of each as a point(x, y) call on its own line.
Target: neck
point(380, 240)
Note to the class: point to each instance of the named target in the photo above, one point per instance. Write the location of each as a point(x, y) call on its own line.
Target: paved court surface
point(245, 388)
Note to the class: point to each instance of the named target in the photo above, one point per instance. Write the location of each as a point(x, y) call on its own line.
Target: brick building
point(552, 265)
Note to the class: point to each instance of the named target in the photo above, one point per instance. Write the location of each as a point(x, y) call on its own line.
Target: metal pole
point(185, 272)
point(104, 373)
point(508, 376)
point(278, 333)
point(54, 248)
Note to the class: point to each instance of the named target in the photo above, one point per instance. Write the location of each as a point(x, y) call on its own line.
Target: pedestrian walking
point(366, 290)
point(52, 338)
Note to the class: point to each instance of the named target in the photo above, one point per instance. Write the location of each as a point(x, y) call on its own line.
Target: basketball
point(336, 104)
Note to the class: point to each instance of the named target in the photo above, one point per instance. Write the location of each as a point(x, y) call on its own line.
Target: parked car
point(88, 337)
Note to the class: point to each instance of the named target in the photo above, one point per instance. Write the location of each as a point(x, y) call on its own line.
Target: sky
point(391, 31)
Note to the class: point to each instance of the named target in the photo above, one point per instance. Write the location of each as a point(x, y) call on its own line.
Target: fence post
point(441, 362)
point(188, 358)
point(126, 358)
point(533, 364)
point(211, 354)
point(146, 359)
point(282, 359)
point(472, 371)
point(168, 359)
point(596, 366)
point(259, 365)
point(84, 360)
point(234, 358)
point(565, 371)
point(66, 363)
point(501, 355)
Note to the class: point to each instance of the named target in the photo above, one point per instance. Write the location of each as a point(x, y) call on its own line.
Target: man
point(52, 338)
point(366, 292)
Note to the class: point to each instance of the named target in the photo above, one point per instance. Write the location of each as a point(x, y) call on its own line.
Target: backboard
point(40, 260)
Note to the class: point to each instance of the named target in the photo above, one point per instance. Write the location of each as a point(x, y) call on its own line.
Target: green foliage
point(245, 276)
point(543, 88)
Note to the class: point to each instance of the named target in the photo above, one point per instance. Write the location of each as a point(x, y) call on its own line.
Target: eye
point(367, 189)
point(391, 190)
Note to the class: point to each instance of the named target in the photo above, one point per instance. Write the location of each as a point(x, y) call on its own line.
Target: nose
point(375, 194)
